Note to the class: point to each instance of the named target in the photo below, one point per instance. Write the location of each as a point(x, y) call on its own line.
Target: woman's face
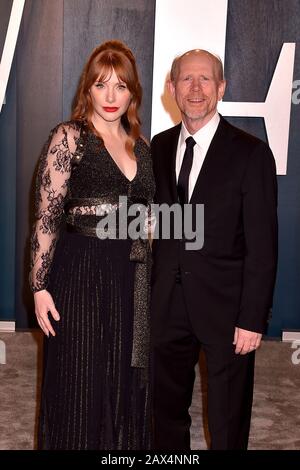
point(110, 98)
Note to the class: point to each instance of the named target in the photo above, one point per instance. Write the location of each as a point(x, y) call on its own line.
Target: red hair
point(111, 55)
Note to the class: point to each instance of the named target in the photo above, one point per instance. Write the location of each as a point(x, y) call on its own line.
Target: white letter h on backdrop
point(9, 46)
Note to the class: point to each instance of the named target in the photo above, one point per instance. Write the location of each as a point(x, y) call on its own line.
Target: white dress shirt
point(203, 139)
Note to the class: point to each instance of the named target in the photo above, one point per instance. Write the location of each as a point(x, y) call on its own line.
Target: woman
point(92, 293)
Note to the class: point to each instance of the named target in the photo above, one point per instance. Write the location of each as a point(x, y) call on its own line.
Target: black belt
point(91, 231)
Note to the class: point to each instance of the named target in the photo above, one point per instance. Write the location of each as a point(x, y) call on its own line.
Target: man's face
point(197, 89)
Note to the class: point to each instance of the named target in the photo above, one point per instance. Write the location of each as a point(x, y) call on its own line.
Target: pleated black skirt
point(91, 396)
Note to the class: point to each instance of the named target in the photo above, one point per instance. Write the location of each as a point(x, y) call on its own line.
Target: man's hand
point(246, 341)
point(43, 304)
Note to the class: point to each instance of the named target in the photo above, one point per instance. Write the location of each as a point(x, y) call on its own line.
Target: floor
point(276, 408)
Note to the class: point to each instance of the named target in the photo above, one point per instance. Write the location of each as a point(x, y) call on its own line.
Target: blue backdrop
point(55, 38)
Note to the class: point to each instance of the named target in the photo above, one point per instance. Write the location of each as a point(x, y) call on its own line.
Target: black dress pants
point(176, 351)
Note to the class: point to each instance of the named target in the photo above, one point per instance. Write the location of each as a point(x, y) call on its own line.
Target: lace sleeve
point(51, 189)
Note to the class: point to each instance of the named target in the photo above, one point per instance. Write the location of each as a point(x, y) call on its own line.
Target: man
point(217, 297)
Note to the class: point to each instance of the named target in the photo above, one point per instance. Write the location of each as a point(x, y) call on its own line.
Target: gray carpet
point(276, 416)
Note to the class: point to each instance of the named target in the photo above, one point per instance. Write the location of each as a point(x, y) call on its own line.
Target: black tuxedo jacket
point(230, 281)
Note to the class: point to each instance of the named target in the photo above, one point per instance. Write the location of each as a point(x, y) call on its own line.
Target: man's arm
point(261, 231)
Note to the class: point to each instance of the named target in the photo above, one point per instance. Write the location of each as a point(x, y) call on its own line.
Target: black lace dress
point(95, 392)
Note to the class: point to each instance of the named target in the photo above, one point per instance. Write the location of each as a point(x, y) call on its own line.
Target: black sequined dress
point(95, 392)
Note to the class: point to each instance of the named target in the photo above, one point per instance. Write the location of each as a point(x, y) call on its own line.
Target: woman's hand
point(43, 303)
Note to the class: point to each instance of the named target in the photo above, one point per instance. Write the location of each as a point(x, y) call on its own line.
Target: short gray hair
point(214, 57)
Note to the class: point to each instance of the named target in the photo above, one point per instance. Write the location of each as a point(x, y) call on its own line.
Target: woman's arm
point(51, 189)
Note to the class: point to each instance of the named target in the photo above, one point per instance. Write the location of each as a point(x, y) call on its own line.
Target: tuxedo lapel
point(220, 144)
point(173, 142)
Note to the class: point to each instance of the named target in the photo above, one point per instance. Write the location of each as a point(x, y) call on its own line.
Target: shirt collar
point(203, 136)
